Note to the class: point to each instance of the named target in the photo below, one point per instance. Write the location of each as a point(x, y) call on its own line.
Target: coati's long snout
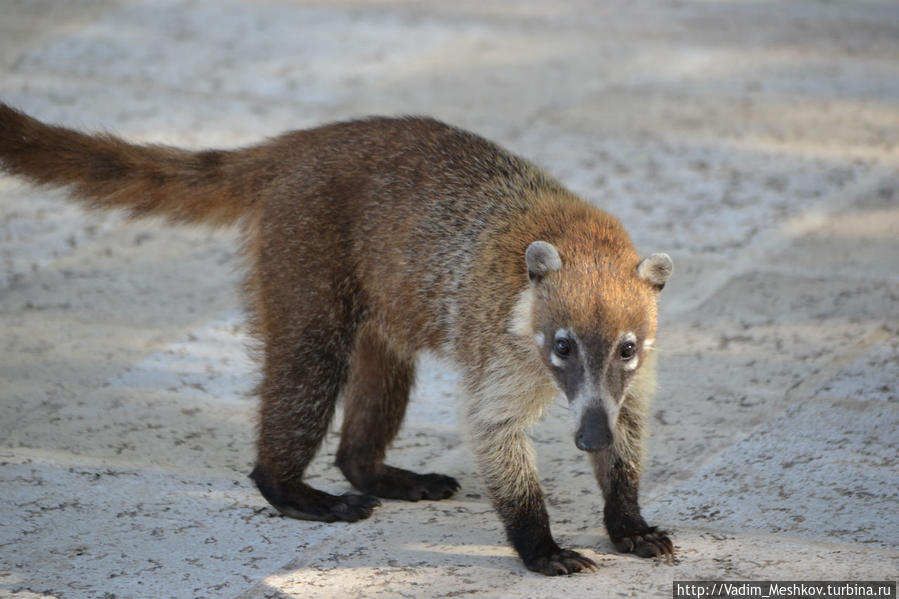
point(593, 432)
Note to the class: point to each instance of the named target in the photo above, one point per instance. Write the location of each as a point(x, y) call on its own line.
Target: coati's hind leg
point(306, 361)
point(375, 399)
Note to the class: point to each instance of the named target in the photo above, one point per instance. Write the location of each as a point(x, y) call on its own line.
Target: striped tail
point(102, 171)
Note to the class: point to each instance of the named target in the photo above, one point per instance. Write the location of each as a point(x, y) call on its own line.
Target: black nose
point(594, 433)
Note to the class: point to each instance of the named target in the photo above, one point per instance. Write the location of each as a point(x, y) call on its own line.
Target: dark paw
point(560, 561)
point(298, 500)
point(650, 542)
point(396, 483)
point(428, 486)
point(349, 507)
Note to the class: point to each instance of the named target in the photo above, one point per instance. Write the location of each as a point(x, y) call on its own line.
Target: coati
point(371, 240)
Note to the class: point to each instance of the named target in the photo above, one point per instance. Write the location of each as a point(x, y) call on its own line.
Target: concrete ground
point(754, 141)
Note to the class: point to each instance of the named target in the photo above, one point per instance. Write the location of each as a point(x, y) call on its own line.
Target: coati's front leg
point(506, 460)
point(626, 526)
point(375, 399)
point(617, 470)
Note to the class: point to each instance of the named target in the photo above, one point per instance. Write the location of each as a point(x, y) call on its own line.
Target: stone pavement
point(754, 141)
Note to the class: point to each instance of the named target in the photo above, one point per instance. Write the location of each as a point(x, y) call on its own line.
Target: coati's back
point(417, 201)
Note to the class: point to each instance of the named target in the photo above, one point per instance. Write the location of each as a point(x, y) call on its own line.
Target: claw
point(563, 561)
point(648, 543)
point(365, 501)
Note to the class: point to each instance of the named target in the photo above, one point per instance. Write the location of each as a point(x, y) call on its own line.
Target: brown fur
point(369, 241)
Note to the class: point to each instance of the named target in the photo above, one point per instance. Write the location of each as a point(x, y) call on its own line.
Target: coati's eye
point(627, 350)
point(562, 347)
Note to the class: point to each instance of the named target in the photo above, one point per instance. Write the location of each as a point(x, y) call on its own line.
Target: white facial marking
point(632, 363)
point(539, 339)
point(649, 343)
point(583, 400)
point(588, 396)
point(610, 404)
point(556, 360)
point(522, 314)
point(629, 336)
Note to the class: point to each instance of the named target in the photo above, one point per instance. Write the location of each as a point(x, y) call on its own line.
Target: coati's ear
point(541, 258)
point(656, 268)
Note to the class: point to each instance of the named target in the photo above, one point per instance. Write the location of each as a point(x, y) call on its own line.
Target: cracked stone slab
point(215, 362)
point(86, 528)
point(873, 376)
point(774, 331)
point(29, 23)
point(211, 362)
point(198, 518)
point(36, 229)
point(260, 52)
point(190, 403)
point(854, 241)
point(823, 470)
point(441, 564)
point(155, 429)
